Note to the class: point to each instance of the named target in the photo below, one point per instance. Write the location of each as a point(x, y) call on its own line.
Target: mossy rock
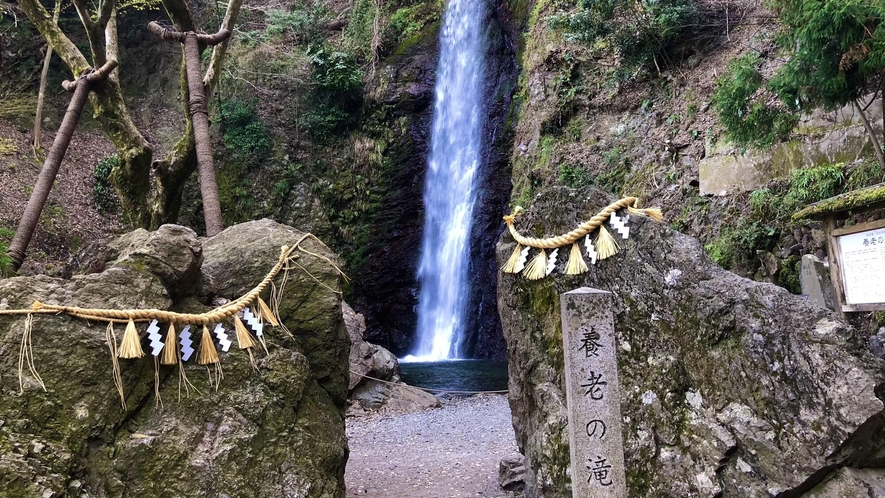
point(271, 428)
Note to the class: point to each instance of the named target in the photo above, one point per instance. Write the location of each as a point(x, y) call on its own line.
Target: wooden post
point(51, 165)
point(199, 111)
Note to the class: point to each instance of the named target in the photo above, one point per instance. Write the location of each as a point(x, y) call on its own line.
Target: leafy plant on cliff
point(643, 33)
point(835, 55)
point(763, 227)
point(739, 100)
point(243, 131)
point(575, 176)
point(303, 23)
point(336, 95)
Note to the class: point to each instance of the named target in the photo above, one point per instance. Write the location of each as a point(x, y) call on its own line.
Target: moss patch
point(848, 201)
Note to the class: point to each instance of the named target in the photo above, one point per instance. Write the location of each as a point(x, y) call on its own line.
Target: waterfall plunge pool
point(455, 375)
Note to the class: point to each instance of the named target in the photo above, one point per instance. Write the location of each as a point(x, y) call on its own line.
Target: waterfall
point(449, 192)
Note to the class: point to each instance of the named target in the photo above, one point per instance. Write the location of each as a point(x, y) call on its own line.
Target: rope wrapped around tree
point(603, 247)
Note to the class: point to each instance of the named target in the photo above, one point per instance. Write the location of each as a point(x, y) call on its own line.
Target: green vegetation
point(304, 22)
point(7, 146)
point(103, 194)
point(749, 122)
point(865, 174)
point(768, 220)
point(377, 28)
point(243, 131)
point(574, 176)
point(5, 261)
point(835, 54)
point(336, 95)
point(643, 33)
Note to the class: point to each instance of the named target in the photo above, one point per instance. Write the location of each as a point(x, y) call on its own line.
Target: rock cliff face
point(275, 430)
point(730, 387)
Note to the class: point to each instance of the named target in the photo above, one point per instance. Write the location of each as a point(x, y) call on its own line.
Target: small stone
point(511, 473)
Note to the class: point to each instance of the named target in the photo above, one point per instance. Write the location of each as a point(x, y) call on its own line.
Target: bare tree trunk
point(38, 117)
point(871, 132)
point(31, 216)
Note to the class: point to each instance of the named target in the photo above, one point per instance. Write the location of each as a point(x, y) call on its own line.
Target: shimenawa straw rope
point(605, 245)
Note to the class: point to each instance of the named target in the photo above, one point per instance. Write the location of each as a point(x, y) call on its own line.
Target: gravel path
point(446, 452)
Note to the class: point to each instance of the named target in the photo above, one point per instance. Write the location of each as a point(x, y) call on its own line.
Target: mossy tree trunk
point(144, 203)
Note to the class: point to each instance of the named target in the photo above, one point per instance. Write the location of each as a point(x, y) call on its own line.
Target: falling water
point(449, 193)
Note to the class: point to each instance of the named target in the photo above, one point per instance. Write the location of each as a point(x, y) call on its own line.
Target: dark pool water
point(456, 375)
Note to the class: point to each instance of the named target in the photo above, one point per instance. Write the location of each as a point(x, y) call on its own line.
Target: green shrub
point(810, 185)
point(360, 30)
point(336, 95)
point(721, 249)
point(748, 121)
point(243, 132)
point(736, 247)
point(865, 174)
point(641, 32)
point(304, 23)
point(103, 194)
point(574, 176)
point(765, 205)
point(407, 22)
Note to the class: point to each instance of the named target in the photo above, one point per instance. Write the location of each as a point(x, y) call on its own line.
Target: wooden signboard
point(859, 272)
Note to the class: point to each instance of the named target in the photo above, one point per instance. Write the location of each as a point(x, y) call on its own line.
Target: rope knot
point(510, 218)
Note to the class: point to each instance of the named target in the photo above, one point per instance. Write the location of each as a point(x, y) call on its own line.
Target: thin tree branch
point(105, 10)
point(93, 33)
point(112, 46)
point(180, 14)
point(85, 16)
point(872, 133)
point(219, 50)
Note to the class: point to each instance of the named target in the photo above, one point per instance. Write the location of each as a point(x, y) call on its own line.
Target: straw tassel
point(653, 213)
point(606, 246)
point(266, 314)
point(208, 354)
point(244, 338)
point(537, 267)
point(576, 264)
point(513, 264)
point(131, 345)
point(170, 350)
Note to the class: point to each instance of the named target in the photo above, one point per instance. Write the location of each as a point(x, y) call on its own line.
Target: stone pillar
point(816, 284)
point(593, 393)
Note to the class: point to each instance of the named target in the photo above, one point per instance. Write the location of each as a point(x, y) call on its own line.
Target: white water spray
point(449, 192)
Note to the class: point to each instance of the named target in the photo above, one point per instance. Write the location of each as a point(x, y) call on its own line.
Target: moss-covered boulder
point(275, 429)
point(729, 387)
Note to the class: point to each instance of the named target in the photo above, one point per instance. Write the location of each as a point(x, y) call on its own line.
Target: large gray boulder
point(730, 387)
point(273, 430)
